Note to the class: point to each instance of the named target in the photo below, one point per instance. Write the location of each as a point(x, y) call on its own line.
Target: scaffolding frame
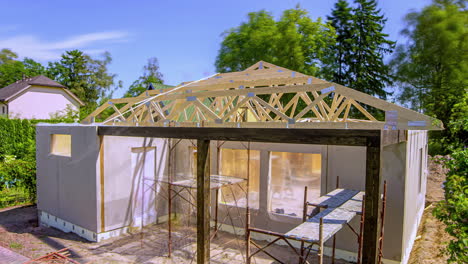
point(217, 182)
point(305, 250)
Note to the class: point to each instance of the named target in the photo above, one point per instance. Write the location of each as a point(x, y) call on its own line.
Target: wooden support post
point(203, 201)
point(320, 252)
point(304, 218)
point(372, 201)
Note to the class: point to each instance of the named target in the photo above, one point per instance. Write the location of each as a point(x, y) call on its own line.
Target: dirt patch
point(431, 237)
point(19, 232)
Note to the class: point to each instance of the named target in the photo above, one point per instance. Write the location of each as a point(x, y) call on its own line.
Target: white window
point(290, 173)
point(234, 162)
point(60, 145)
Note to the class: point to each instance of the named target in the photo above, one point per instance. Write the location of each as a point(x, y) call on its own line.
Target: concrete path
point(9, 257)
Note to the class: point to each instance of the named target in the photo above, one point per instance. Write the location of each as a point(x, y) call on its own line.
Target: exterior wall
point(67, 186)
point(415, 187)
point(3, 109)
point(123, 184)
point(40, 103)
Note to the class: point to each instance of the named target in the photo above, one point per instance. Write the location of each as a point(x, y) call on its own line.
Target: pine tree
point(341, 19)
point(361, 45)
point(370, 73)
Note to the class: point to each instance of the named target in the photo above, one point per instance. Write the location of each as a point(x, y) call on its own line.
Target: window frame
point(59, 154)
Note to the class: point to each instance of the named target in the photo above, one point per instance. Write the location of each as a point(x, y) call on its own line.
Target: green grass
point(12, 197)
point(15, 245)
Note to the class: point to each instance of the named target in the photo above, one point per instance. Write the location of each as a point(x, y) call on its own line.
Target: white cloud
point(32, 47)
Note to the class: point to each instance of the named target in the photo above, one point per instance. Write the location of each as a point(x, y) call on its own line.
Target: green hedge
point(17, 139)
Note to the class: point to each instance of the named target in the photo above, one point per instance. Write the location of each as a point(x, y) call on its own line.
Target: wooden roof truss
point(263, 95)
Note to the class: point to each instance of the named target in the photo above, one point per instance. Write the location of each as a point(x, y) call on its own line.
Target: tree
point(431, 69)
point(357, 56)
point(341, 53)
point(151, 75)
point(6, 55)
point(86, 77)
point(368, 68)
point(294, 41)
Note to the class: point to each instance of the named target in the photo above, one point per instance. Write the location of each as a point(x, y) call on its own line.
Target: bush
point(19, 174)
point(17, 138)
point(453, 211)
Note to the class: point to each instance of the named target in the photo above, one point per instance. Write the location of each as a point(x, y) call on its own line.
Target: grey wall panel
point(67, 185)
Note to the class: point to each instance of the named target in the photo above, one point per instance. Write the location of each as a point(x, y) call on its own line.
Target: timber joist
point(264, 95)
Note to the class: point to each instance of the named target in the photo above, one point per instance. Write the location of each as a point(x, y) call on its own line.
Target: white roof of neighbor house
point(9, 92)
point(263, 95)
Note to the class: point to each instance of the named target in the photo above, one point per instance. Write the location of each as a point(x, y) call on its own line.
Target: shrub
point(453, 211)
point(20, 174)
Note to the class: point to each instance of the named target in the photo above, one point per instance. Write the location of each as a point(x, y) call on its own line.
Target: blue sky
point(184, 35)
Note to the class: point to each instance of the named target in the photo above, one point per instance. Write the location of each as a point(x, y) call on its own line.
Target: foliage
point(356, 59)
point(431, 69)
point(12, 70)
point(19, 174)
point(86, 77)
point(453, 211)
point(6, 55)
point(295, 41)
point(151, 75)
point(13, 196)
point(68, 115)
point(17, 139)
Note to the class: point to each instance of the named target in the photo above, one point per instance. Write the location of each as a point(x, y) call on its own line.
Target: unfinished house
point(268, 153)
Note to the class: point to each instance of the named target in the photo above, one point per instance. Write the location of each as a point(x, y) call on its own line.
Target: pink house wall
point(40, 103)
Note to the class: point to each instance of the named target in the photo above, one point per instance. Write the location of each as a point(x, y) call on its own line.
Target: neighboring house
point(37, 97)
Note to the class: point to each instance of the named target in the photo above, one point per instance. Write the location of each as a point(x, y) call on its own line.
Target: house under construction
point(302, 161)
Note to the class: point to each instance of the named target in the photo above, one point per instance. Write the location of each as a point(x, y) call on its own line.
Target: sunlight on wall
point(60, 145)
point(290, 173)
point(234, 162)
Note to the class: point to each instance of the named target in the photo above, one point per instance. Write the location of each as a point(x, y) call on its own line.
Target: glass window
point(234, 162)
point(290, 173)
point(60, 145)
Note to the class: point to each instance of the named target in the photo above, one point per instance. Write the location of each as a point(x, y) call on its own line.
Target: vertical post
point(372, 198)
point(382, 219)
point(203, 201)
point(304, 218)
point(361, 229)
point(247, 209)
point(334, 236)
point(216, 212)
point(320, 252)
point(169, 200)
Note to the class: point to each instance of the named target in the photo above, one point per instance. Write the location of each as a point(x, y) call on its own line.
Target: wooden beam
point(343, 137)
point(203, 201)
point(372, 201)
point(390, 137)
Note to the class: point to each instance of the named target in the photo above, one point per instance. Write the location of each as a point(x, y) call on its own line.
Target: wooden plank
point(335, 198)
point(349, 137)
point(372, 189)
point(203, 202)
point(333, 221)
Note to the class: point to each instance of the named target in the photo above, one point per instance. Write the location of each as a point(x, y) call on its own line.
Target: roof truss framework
point(263, 95)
